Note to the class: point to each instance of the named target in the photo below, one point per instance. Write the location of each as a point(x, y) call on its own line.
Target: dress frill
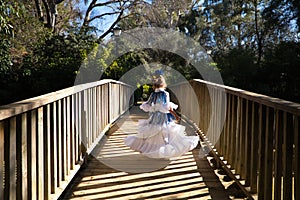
point(160, 140)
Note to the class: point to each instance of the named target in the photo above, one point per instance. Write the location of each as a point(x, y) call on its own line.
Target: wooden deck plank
point(116, 172)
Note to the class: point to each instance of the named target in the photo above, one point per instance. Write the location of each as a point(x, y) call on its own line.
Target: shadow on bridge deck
point(114, 171)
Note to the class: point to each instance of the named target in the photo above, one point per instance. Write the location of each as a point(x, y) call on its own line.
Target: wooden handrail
point(44, 140)
point(276, 103)
point(16, 108)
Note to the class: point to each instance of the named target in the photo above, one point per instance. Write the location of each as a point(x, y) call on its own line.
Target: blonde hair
point(159, 82)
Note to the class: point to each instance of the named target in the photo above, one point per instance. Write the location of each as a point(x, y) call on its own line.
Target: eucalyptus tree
point(98, 12)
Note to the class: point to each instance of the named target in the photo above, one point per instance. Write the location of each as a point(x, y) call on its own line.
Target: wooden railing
point(259, 136)
point(44, 140)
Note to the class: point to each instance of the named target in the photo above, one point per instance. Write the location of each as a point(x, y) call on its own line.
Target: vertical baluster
point(76, 128)
point(248, 142)
point(254, 147)
point(219, 111)
point(202, 105)
point(197, 89)
point(88, 126)
point(54, 146)
point(287, 155)
point(123, 98)
point(84, 140)
point(238, 136)
point(32, 161)
point(233, 130)
point(223, 99)
point(119, 100)
point(103, 115)
point(228, 127)
point(64, 139)
point(242, 142)
point(72, 131)
point(105, 103)
point(91, 118)
point(297, 158)
point(59, 143)
point(40, 153)
point(47, 151)
point(67, 134)
point(11, 163)
point(216, 116)
point(269, 153)
point(108, 100)
point(79, 126)
point(207, 109)
point(224, 109)
point(96, 119)
point(99, 101)
point(263, 119)
point(18, 157)
point(94, 115)
point(278, 155)
point(114, 100)
point(210, 127)
point(24, 149)
point(115, 104)
point(91, 133)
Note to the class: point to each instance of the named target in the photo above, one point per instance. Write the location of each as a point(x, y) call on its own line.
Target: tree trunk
point(39, 10)
point(258, 35)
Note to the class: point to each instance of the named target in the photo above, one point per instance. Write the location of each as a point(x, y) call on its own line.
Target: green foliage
point(238, 68)
point(5, 67)
point(52, 65)
point(8, 10)
point(4, 57)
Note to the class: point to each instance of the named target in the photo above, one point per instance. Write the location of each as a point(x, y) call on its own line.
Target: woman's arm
point(174, 114)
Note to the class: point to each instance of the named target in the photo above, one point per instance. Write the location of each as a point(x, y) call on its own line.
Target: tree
point(47, 11)
point(97, 11)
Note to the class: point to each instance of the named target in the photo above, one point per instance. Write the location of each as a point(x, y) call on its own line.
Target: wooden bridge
point(69, 145)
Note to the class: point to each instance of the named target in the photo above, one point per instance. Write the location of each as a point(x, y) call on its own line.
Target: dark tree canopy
point(254, 43)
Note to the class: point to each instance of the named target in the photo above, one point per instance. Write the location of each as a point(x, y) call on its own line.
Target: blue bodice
point(160, 99)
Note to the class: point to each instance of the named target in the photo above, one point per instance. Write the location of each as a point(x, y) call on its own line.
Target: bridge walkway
point(113, 171)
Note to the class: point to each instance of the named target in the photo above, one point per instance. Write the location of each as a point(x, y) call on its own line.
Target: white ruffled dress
point(159, 136)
